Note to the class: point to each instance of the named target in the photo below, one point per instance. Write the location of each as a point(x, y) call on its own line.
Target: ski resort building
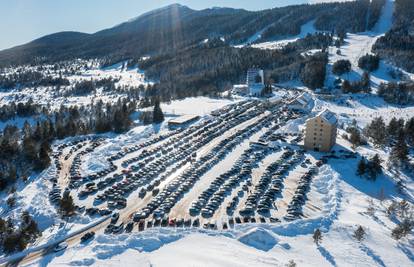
point(321, 132)
point(302, 103)
point(255, 76)
point(183, 120)
point(254, 83)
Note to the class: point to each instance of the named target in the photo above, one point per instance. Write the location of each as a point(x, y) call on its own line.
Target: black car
point(114, 218)
point(87, 236)
point(129, 227)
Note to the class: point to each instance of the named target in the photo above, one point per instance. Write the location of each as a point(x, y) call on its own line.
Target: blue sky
point(25, 20)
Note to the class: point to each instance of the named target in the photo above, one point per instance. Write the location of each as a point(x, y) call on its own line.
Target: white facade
point(252, 74)
point(253, 86)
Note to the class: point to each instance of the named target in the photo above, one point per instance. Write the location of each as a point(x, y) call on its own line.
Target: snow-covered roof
point(328, 116)
point(303, 100)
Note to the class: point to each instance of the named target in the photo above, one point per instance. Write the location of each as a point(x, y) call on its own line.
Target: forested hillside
point(398, 44)
point(176, 27)
point(215, 66)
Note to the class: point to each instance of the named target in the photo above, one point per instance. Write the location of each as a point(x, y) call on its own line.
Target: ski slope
point(307, 28)
point(359, 44)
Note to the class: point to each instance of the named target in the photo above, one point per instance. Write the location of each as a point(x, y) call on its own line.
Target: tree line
point(398, 43)
point(25, 150)
point(16, 237)
point(400, 93)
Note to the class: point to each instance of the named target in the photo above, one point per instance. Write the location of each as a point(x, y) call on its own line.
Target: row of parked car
point(294, 209)
point(55, 195)
point(75, 145)
point(240, 174)
point(76, 163)
point(226, 183)
point(165, 200)
point(148, 165)
point(114, 228)
point(151, 170)
point(270, 184)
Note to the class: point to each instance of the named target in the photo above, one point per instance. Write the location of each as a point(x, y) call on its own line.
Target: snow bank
point(259, 238)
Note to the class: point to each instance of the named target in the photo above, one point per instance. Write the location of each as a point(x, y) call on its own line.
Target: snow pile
point(259, 238)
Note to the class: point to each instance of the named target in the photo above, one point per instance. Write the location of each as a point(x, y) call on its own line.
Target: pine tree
point(317, 236)
point(409, 131)
point(359, 233)
point(341, 66)
point(158, 115)
point(355, 137)
point(361, 167)
point(377, 131)
point(403, 229)
point(3, 226)
point(67, 207)
point(29, 148)
point(346, 87)
point(399, 152)
point(29, 228)
point(374, 167)
point(43, 160)
point(392, 127)
point(366, 82)
point(291, 263)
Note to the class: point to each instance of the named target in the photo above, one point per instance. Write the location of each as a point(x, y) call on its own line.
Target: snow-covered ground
point(200, 106)
point(359, 44)
point(307, 28)
point(344, 201)
point(49, 96)
point(266, 245)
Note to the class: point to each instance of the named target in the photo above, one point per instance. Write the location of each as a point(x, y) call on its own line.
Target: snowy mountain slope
point(307, 28)
point(360, 44)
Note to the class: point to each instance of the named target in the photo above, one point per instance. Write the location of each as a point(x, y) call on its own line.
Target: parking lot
point(225, 170)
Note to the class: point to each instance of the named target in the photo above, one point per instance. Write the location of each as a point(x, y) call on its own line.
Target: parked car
point(61, 246)
point(87, 236)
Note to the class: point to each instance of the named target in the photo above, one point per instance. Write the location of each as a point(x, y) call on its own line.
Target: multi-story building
point(321, 132)
point(254, 83)
point(255, 76)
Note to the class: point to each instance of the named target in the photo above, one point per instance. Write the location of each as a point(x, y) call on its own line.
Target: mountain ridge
point(177, 26)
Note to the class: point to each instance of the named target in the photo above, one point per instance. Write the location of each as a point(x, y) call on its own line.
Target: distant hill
point(175, 27)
